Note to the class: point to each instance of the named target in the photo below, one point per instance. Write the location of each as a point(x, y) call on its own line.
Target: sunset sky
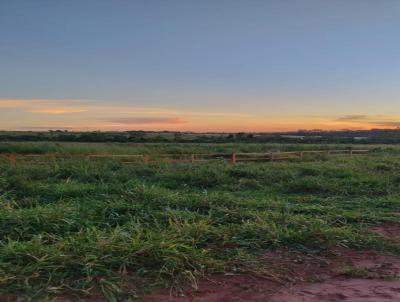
point(209, 65)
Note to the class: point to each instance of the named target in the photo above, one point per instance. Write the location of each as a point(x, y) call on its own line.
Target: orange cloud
point(43, 106)
point(148, 120)
point(76, 106)
point(352, 118)
point(58, 110)
point(362, 121)
point(92, 115)
point(12, 103)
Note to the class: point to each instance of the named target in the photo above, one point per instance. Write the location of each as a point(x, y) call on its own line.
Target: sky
point(209, 65)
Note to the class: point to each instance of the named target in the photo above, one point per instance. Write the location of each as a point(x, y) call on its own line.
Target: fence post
point(192, 158)
point(272, 156)
point(13, 159)
point(233, 158)
point(301, 154)
point(145, 158)
point(351, 152)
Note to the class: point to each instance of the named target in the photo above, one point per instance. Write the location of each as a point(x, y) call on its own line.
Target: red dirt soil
point(306, 280)
point(343, 275)
point(287, 276)
point(388, 231)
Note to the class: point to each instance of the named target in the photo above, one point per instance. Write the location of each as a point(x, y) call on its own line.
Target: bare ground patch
point(341, 275)
point(389, 231)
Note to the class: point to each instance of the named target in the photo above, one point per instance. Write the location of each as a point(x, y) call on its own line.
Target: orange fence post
point(145, 158)
point(233, 158)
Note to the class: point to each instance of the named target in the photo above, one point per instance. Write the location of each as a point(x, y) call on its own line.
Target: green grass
point(154, 148)
point(83, 227)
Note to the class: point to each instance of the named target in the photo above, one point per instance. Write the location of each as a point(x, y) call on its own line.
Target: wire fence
point(234, 157)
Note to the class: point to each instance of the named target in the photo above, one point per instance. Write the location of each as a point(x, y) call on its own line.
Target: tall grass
point(79, 227)
point(154, 148)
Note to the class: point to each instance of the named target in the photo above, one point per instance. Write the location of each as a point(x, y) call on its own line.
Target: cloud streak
point(44, 106)
point(100, 115)
point(370, 120)
point(352, 118)
point(45, 128)
point(58, 110)
point(148, 121)
point(78, 106)
point(391, 124)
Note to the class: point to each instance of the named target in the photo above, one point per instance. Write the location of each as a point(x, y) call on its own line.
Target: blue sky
point(199, 65)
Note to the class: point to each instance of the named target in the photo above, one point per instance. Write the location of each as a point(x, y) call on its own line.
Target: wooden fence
point(183, 158)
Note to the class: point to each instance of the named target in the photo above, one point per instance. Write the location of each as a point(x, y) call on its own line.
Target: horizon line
point(64, 130)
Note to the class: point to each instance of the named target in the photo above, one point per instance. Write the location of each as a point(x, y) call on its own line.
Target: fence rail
point(185, 157)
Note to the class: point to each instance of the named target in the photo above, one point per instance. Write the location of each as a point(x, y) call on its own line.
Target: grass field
point(78, 227)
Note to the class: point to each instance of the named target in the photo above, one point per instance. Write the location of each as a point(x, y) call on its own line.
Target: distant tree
point(178, 136)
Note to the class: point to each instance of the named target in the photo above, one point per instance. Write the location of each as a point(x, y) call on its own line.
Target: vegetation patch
point(79, 227)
